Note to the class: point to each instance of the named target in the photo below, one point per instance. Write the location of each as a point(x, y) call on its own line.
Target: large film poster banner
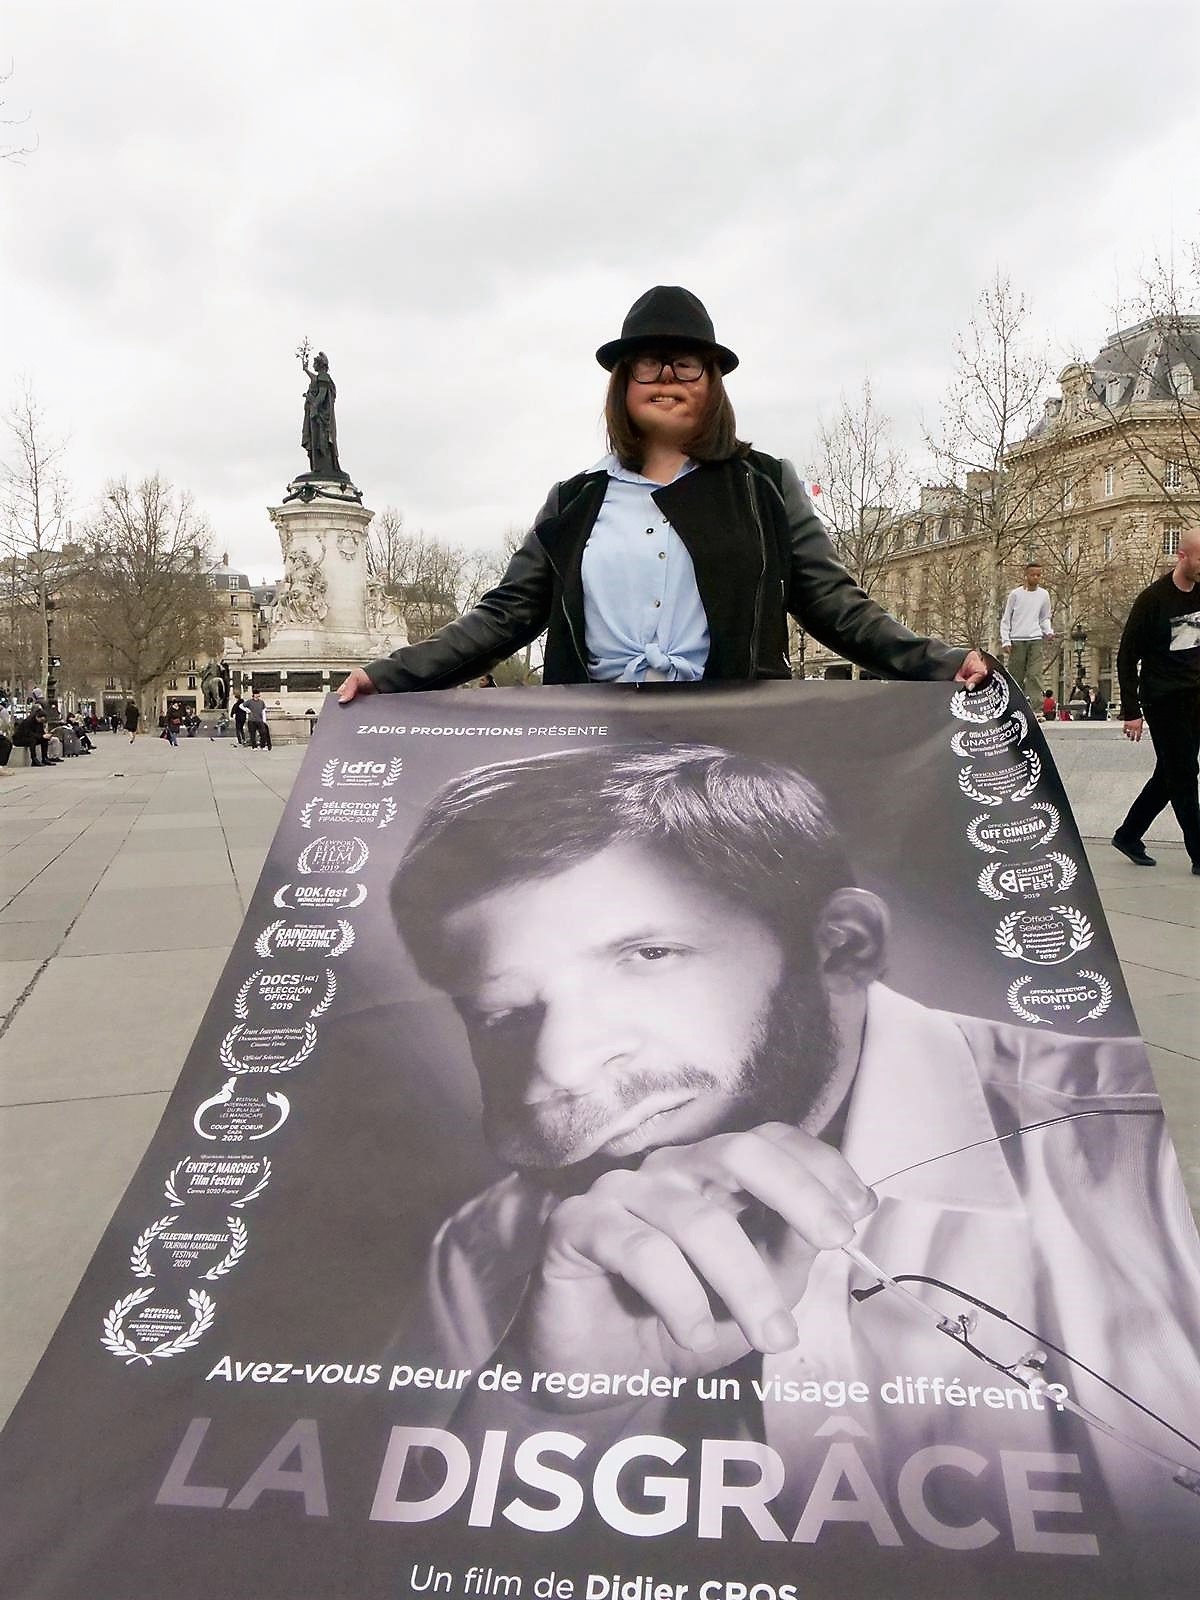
point(662, 1145)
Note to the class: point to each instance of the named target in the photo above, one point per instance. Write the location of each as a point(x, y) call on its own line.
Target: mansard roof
point(1137, 363)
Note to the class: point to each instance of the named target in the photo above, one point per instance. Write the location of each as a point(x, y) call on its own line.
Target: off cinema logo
point(1032, 830)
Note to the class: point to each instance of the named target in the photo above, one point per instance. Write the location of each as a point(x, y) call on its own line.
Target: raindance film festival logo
point(360, 774)
point(1080, 999)
point(1032, 830)
point(240, 1113)
point(305, 938)
point(332, 855)
point(992, 786)
point(322, 813)
point(1028, 880)
point(320, 896)
point(1046, 937)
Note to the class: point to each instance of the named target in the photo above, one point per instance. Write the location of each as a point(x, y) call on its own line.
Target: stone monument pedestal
point(330, 613)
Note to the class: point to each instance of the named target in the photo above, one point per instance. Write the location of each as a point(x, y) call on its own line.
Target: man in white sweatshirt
point(1024, 625)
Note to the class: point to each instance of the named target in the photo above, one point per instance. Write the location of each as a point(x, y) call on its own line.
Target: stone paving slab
point(66, 1164)
point(107, 1025)
point(151, 919)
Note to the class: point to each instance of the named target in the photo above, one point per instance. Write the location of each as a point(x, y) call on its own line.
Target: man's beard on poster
point(783, 1077)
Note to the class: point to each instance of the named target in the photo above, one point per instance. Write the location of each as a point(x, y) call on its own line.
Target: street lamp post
point(1079, 640)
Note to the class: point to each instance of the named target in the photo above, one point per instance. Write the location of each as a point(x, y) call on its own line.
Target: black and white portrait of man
point(672, 989)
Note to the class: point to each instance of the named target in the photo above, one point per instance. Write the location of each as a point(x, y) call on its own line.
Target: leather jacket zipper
point(758, 592)
point(566, 611)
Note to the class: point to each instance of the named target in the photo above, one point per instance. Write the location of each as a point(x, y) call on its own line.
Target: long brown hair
point(715, 438)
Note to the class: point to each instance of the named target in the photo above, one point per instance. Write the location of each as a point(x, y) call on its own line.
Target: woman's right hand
point(356, 684)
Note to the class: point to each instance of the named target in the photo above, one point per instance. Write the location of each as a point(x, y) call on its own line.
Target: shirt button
point(649, 530)
point(662, 555)
point(657, 603)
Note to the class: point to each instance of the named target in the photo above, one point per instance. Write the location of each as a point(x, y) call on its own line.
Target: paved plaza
point(124, 877)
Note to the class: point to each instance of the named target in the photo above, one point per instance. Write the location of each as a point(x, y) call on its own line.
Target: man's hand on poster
point(690, 1262)
point(1132, 728)
point(357, 683)
point(974, 670)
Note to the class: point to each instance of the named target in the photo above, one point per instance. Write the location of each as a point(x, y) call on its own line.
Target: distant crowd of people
point(1087, 704)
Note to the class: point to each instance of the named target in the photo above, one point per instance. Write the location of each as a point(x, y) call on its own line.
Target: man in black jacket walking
point(1158, 665)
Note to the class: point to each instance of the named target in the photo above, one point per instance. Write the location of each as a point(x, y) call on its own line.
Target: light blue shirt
point(641, 607)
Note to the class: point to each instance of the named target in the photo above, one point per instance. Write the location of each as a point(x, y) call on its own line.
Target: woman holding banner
point(678, 557)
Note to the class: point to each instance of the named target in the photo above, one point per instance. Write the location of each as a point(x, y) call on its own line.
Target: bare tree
point(145, 600)
point(34, 536)
point(864, 479)
point(14, 152)
point(995, 441)
point(435, 581)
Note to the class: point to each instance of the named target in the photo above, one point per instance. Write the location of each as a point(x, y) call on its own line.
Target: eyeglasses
point(1028, 1372)
point(649, 369)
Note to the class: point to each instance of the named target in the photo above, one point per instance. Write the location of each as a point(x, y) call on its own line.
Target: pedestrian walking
point(256, 722)
point(132, 717)
point(1025, 625)
point(1158, 667)
point(679, 556)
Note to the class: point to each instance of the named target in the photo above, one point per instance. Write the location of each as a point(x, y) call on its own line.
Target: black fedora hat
point(666, 315)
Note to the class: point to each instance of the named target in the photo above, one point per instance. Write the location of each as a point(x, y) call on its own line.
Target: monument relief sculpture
point(303, 589)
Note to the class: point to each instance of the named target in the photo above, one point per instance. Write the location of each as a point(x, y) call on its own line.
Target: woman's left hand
point(973, 671)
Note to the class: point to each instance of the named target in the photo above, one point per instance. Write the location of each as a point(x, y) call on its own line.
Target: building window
point(233, 599)
point(919, 535)
point(1170, 542)
point(1068, 493)
point(1173, 475)
point(192, 681)
point(172, 683)
point(1112, 391)
point(1108, 544)
point(1110, 474)
point(1181, 379)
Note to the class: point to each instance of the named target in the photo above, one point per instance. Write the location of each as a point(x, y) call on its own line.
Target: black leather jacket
point(759, 551)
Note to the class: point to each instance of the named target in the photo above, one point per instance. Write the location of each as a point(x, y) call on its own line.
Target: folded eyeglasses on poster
point(644, 1146)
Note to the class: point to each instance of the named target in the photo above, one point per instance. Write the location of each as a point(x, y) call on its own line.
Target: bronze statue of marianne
point(319, 437)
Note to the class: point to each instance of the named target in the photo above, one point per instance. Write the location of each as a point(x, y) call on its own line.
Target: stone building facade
point(1109, 480)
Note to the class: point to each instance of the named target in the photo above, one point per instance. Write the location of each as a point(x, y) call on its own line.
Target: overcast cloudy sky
point(459, 202)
